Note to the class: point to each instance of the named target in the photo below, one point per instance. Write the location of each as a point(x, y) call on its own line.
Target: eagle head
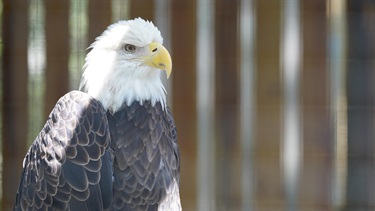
point(125, 63)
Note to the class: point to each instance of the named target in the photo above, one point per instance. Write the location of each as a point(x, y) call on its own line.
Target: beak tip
point(168, 71)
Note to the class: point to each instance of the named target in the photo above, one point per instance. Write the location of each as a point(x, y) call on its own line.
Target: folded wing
point(68, 165)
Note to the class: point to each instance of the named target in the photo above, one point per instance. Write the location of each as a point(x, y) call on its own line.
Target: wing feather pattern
point(68, 166)
point(146, 158)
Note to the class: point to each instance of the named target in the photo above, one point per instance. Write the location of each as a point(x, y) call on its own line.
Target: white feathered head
point(124, 65)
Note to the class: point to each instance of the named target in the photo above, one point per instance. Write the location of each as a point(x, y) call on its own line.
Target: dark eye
point(129, 48)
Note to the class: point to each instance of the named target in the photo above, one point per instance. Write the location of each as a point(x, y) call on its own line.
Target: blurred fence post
point(338, 100)
point(99, 14)
point(141, 8)
point(183, 33)
point(360, 194)
point(315, 180)
point(267, 172)
point(57, 52)
point(292, 144)
point(247, 112)
point(205, 107)
point(226, 103)
point(14, 99)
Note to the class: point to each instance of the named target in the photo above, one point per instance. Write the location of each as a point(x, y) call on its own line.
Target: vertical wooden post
point(57, 47)
point(226, 65)
point(142, 8)
point(247, 114)
point(268, 196)
point(361, 100)
point(317, 131)
point(183, 33)
point(15, 76)
point(338, 100)
point(99, 18)
point(292, 142)
point(205, 90)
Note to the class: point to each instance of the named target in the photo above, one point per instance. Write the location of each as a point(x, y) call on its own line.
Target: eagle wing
point(146, 158)
point(68, 164)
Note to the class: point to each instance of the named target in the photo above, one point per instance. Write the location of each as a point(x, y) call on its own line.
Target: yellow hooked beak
point(159, 57)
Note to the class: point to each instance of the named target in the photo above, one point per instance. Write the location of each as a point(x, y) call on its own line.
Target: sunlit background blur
point(274, 100)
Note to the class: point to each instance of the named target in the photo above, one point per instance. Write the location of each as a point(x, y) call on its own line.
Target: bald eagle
point(113, 144)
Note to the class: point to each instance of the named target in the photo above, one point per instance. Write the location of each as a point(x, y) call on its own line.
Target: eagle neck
point(114, 82)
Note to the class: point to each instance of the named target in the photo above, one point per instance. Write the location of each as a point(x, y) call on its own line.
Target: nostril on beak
point(154, 50)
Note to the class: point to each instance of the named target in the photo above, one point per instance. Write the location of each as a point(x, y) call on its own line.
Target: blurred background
point(273, 99)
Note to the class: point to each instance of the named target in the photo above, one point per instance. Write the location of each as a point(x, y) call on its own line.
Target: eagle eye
point(129, 48)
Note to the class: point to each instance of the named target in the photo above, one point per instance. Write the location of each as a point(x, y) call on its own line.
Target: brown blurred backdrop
point(273, 99)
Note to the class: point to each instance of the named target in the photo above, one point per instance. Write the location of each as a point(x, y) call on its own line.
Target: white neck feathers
point(114, 83)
